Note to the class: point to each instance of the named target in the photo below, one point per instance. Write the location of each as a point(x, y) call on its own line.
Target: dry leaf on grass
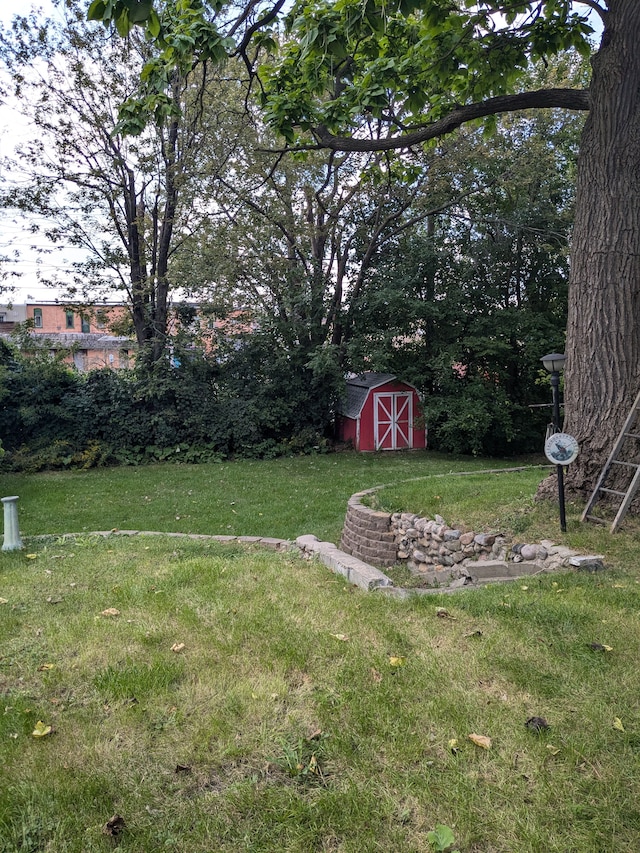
point(397, 660)
point(114, 826)
point(600, 647)
point(537, 724)
point(480, 740)
point(41, 729)
point(617, 724)
point(46, 666)
point(178, 647)
point(110, 611)
point(443, 613)
point(342, 637)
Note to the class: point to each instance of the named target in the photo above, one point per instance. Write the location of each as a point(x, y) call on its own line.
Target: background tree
point(127, 203)
point(425, 69)
point(463, 306)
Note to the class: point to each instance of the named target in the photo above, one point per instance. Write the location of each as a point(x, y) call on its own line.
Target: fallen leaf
point(52, 600)
point(443, 613)
point(617, 724)
point(4, 600)
point(114, 826)
point(46, 666)
point(342, 637)
point(183, 768)
point(31, 556)
point(480, 740)
point(537, 724)
point(110, 611)
point(524, 587)
point(554, 750)
point(453, 745)
point(178, 647)
point(477, 633)
point(397, 660)
point(600, 647)
point(41, 729)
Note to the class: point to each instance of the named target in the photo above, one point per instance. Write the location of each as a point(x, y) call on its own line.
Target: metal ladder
point(626, 434)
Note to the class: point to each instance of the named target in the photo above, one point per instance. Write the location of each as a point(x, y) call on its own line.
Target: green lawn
point(302, 714)
point(283, 497)
point(305, 715)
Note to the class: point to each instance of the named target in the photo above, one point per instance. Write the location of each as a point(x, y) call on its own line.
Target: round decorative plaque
point(561, 448)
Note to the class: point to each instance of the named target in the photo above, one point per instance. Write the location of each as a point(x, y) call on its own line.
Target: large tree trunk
point(603, 333)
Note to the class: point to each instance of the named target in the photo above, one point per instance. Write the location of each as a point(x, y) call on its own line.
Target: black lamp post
point(554, 363)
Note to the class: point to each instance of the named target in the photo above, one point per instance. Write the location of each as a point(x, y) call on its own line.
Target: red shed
point(379, 412)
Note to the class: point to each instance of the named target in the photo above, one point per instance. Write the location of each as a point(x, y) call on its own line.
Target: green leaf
point(153, 24)
point(96, 10)
point(141, 11)
point(441, 838)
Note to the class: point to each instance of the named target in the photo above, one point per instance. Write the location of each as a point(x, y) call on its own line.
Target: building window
point(86, 325)
point(37, 318)
point(70, 319)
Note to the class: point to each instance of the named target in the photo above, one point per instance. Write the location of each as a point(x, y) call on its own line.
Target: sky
point(14, 237)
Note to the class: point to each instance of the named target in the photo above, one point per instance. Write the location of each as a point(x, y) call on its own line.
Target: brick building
point(85, 335)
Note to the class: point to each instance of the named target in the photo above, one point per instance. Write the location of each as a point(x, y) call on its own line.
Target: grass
point(284, 724)
point(283, 497)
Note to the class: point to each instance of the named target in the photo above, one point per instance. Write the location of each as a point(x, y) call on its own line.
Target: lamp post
point(554, 363)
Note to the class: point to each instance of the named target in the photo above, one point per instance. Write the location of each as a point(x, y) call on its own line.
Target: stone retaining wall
point(367, 533)
point(444, 555)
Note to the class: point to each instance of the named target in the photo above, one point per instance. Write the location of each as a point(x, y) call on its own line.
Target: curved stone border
point(447, 557)
point(354, 570)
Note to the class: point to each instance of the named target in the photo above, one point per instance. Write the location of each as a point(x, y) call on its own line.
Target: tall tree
point(296, 239)
point(126, 203)
point(423, 69)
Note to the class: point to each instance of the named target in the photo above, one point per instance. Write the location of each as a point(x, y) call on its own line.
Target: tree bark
point(603, 338)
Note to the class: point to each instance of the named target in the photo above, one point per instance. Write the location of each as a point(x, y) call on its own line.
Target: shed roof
point(358, 388)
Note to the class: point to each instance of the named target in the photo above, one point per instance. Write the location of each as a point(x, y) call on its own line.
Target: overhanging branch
point(569, 99)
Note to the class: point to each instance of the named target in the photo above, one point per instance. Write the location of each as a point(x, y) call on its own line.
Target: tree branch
point(571, 99)
point(593, 4)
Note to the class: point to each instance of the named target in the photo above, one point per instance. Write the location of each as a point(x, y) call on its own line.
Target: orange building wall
point(54, 318)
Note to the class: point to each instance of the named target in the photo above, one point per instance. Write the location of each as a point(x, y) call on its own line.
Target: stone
point(419, 556)
point(402, 555)
point(453, 545)
point(440, 520)
point(451, 535)
point(591, 563)
point(484, 539)
point(529, 552)
point(412, 533)
point(466, 538)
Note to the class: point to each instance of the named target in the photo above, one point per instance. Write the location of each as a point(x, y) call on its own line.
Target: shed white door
point(392, 419)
